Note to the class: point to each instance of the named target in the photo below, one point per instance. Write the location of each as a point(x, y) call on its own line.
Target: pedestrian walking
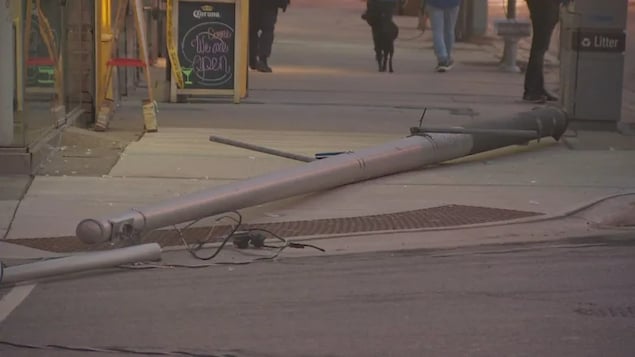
point(443, 15)
point(263, 15)
point(422, 23)
point(544, 18)
point(378, 9)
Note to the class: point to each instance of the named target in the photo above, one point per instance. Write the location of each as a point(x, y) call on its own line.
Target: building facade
point(53, 70)
point(52, 74)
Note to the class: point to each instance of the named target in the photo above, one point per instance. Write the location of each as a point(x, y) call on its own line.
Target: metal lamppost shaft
point(81, 262)
point(410, 153)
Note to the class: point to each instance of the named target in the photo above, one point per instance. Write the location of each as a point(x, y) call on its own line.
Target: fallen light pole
point(414, 152)
point(80, 262)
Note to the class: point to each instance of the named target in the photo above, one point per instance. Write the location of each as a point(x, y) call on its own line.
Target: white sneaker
point(443, 67)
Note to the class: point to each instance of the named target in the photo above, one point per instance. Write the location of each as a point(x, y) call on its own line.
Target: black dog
point(385, 32)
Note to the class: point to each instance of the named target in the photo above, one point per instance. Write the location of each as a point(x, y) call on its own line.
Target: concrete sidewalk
point(326, 95)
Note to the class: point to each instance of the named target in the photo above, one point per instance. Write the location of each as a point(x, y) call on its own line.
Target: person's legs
point(553, 16)
point(450, 16)
point(544, 17)
point(373, 17)
point(254, 28)
point(423, 16)
point(539, 44)
point(437, 18)
point(269, 17)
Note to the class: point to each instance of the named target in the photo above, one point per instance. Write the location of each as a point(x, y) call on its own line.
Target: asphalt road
point(562, 299)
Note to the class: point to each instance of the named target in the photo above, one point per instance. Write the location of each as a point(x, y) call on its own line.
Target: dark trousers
point(544, 17)
point(263, 15)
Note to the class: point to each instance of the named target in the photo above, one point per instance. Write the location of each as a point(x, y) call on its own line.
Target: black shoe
point(550, 97)
point(534, 98)
point(262, 66)
point(253, 62)
point(445, 66)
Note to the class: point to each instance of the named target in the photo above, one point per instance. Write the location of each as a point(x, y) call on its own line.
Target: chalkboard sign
point(206, 44)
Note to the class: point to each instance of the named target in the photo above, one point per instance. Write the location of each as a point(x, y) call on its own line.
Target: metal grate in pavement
point(599, 311)
point(435, 217)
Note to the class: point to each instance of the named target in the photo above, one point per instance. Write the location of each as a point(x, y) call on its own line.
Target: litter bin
point(593, 41)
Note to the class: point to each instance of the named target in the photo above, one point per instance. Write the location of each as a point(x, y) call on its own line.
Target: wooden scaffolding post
point(149, 106)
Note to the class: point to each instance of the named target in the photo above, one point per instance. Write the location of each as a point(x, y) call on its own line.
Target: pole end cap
point(92, 231)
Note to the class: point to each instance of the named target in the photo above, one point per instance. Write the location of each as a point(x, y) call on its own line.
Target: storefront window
point(80, 58)
point(42, 70)
point(54, 66)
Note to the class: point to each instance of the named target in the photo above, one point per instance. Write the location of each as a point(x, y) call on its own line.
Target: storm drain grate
point(615, 311)
point(435, 217)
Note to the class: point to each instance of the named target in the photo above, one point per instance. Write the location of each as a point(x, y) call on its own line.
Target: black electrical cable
point(305, 245)
point(206, 240)
point(287, 242)
point(192, 250)
point(200, 244)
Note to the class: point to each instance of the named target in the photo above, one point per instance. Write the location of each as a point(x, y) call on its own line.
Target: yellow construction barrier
point(171, 45)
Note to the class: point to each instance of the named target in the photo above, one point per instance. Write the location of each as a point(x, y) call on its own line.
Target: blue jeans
point(442, 23)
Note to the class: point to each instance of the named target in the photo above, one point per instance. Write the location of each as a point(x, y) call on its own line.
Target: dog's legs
point(377, 45)
point(384, 61)
point(395, 34)
point(390, 54)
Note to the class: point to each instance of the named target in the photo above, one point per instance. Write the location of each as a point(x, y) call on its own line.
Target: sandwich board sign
point(208, 51)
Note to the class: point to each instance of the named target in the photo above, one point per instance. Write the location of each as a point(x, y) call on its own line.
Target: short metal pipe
point(266, 150)
point(401, 155)
point(81, 262)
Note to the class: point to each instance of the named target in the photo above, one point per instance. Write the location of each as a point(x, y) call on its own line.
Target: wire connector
point(242, 239)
